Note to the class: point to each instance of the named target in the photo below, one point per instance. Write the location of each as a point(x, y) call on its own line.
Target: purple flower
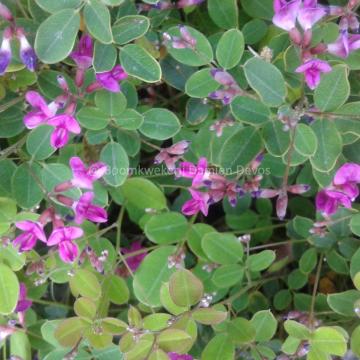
point(185, 41)
point(63, 237)
point(23, 303)
point(185, 3)
point(41, 111)
point(169, 156)
point(84, 209)
point(83, 56)
point(230, 87)
point(84, 177)
point(27, 53)
point(5, 50)
point(197, 172)
point(312, 70)
point(286, 13)
point(109, 80)
point(175, 356)
point(344, 44)
point(199, 202)
point(343, 190)
point(64, 125)
point(328, 201)
point(219, 126)
point(135, 260)
point(32, 231)
point(5, 13)
point(310, 13)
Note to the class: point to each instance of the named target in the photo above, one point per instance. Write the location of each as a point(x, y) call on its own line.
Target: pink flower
point(185, 3)
point(84, 177)
point(169, 156)
point(343, 191)
point(109, 80)
point(41, 111)
point(84, 209)
point(135, 260)
point(312, 70)
point(328, 201)
point(344, 44)
point(310, 13)
point(64, 125)
point(63, 237)
point(83, 56)
point(27, 53)
point(5, 13)
point(197, 172)
point(23, 303)
point(219, 126)
point(286, 13)
point(5, 49)
point(175, 356)
point(32, 231)
point(230, 87)
point(199, 202)
point(185, 41)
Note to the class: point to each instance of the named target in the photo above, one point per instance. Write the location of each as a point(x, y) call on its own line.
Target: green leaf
point(85, 307)
point(7, 168)
point(185, 288)
point(277, 141)
point(250, 111)
point(105, 56)
point(201, 55)
point(55, 6)
point(224, 13)
point(114, 326)
point(166, 228)
point(355, 341)
point(86, 284)
point(70, 331)
point(56, 36)
point(230, 48)
point(110, 103)
point(219, 347)
point(201, 84)
point(209, 316)
point(254, 30)
point(151, 274)
point(308, 261)
point(329, 341)
point(241, 331)
point(343, 303)
point(297, 330)
point(156, 322)
point(129, 119)
point(355, 224)
point(265, 325)
point(7, 210)
point(20, 347)
point(261, 261)
point(239, 149)
point(24, 185)
point(137, 62)
point(173, 340)
point(266, 80)
point(92, 118)
point(129, 28)
point(228, 275)
point(258, 8)
point(38, 142)
point(143, 194)
point(114, 155)
point(160, 124)
point(98, 22)
point(222, 248)
point(334, 89)
point(168, 303)
point(116, 289)
point(329, 145)
point(9, 290)
point(297, 279)
point(305, 140)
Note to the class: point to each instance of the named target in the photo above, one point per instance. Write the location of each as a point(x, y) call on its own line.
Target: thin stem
point(316, 284)
point(51, 303)
point(118, 228)
point(278, 244)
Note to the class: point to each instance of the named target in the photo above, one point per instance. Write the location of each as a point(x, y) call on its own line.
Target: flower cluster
point(63, 236)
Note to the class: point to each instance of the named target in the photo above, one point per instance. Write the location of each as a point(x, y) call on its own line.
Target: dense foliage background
point(178, 180)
